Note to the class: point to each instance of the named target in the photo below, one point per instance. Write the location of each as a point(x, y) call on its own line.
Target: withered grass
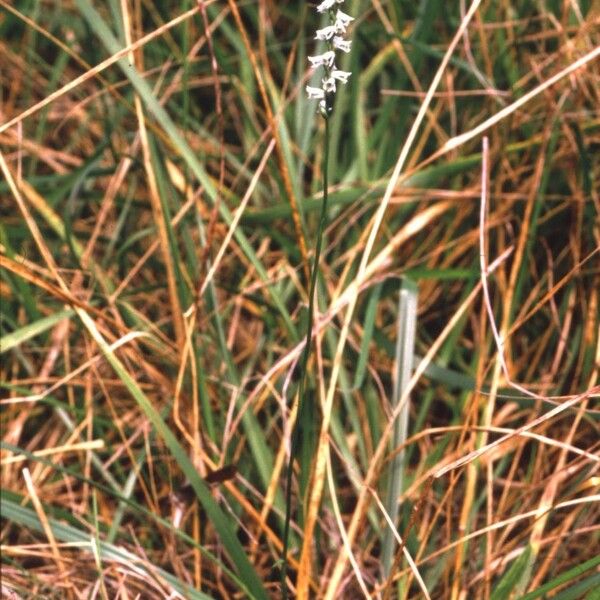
point(160, 192)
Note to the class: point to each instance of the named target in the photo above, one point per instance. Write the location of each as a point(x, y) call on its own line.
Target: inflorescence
point(332, 35)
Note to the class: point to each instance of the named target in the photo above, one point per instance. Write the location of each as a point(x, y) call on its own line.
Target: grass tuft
point(162, 207)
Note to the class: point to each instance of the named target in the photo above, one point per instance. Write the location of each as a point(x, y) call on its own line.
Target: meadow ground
point(161, 189)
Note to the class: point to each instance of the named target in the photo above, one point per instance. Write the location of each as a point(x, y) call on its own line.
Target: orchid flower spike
point(332, 34)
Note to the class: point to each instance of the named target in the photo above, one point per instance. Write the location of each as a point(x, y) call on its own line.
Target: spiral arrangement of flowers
point(333, 35)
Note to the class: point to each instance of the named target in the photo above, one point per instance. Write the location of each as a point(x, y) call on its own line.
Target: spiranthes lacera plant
point(333, 36)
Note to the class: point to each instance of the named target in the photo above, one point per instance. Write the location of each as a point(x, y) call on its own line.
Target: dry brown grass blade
point(472, 456)
point(153, 247)
point(520, 319)
point(65, 48)
point(97, 69)
point(274, 127)
point(61, 381)
point(58, 292)
point(77, 447)
point(33, 228)
point(237, 216)
point(501, 363)
point(39, 509)
point(566, 447)
point(402, 550)
point(342, 529)
point(532, 514)
point(462, 139)
point(157, 210)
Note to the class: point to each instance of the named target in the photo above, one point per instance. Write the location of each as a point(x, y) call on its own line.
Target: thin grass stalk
point(302, 399)
point(403, 367)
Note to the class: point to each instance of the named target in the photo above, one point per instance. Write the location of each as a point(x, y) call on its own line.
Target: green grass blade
point(403, 367)
point(564, 578)
point(363, 355)
point(27, 332)
point(589, 584)
point(513, 576)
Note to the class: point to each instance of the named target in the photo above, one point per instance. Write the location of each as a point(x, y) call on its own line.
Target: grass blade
point(27, 332)
point(403, 367)
point(565, 577)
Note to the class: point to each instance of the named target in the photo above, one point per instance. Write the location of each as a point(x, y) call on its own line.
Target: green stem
point(304, 364)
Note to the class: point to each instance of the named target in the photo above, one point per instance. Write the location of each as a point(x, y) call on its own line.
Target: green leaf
point(512, 577)
point(403, 367)
point(363, 355)
point(565, 577)
point(17, 337)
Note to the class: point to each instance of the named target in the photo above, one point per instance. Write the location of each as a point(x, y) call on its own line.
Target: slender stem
point(304, 364)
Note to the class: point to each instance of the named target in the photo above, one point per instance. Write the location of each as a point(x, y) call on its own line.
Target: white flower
point(326, 33)
point(326, 5)
point(315, 93)
point(341, 44)
point(341, 75)
point(329, 85)
point(326, 58)
point(332, 34)
point(342, 20)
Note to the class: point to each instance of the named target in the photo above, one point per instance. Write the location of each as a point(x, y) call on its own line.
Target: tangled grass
point(160, 196)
